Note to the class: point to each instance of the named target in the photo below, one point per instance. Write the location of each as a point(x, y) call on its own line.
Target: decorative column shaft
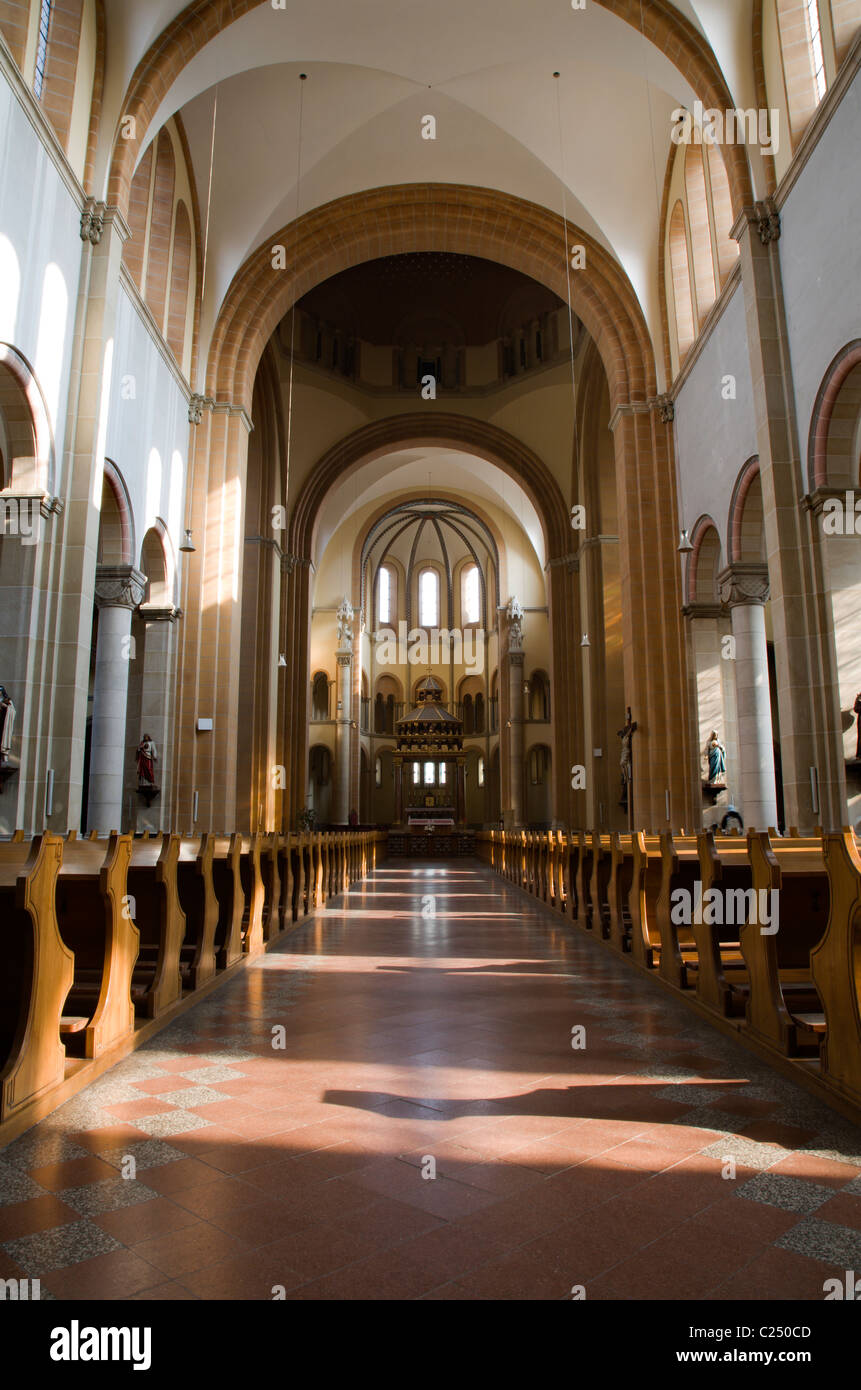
point(744, 589)
point(341, 813)
point(119, 589)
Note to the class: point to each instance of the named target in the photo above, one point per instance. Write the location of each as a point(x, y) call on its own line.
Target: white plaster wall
point(148, 432)
point(820, 256)
point(40, 260)
point(715, 437)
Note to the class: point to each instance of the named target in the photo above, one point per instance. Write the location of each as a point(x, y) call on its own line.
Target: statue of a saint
point(514, 613)
point(7, 724)
point(147, 758)
point(626, 761)
point(345, 623)
point(716, 755)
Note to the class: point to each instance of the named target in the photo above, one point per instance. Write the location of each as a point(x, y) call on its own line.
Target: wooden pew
point(571, 861)
point(722, 978)
point(783, 1006)
point(253, 892)
point(585, 864)
point(230, 897)
point(36, 975)
point(271, 876)
point(835, 965)
point(200, 905)
point(619, 890)
point(602, 863)
point(158, 916)
point(680, 870)
point(646, 874)
point(95, 921)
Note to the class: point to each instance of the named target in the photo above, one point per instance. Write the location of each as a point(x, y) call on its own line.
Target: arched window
point(429, 598)
point(430, 778)
point(539, 765)
point(481, 772)
point(803, 60)
point(701, 239)
point(378, 772)
point(681, 282)
point(470, 595)
point(42, 49)
point(479, 714)
point(385, 595)
point(417, 774)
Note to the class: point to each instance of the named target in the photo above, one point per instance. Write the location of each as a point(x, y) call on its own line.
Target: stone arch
point(116, 528)
point(157, 564)
point(660, 22)
point(704, 563)
point(33, 468)
point(838, 404)
point(745, 513)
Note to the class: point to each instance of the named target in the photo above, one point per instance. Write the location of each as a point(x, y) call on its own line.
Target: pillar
point(157, 708)
point(515, 738)
point(341, 809)
point(745, 590)
point(119, 589)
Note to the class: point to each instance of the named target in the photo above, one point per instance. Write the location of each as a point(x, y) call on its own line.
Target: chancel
point(430, 730)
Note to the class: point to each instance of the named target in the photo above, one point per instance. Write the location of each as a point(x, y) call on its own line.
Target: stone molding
point(154, 614)
point(119, 586)
point(744, 583)
point(692, 611)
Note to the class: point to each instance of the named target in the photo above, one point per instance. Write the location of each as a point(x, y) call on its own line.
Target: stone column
point(157, 708)
point(744, 589)
point(515, 714)
point(119, 589)
point(341, 809)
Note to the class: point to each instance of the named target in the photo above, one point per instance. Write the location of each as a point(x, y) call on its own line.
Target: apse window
point(428, 598)
point(429, 774)
point(378, 772)
point(471, 595)
point(417, 773)
point(481, 772)
point(384, 596)
point(42, 48)
point(442, 774)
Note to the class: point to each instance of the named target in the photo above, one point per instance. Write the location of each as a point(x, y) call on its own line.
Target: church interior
point(430, 730)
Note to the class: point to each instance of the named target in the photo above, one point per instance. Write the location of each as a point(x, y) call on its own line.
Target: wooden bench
point(602, 863)
point(570, 863)
point(680, 872)
point(200, 905)
point(835, 965)
point(158, 916)
point(784, 1007)
point(229, 895)
point(646, 875)
point(253, 893)
point(722, 977)
point(95, 921)
point(271, 874)
point(36, 974)
point(585, 865)
point(619, 890)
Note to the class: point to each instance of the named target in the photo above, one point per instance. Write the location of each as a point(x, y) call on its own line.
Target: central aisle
point(426, 1023)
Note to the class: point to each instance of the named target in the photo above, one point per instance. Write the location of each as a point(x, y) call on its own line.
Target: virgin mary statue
point(716, 754)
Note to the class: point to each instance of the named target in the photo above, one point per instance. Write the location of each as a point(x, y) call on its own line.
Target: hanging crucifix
point(626, 764)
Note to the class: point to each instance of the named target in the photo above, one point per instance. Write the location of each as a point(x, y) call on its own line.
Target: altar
point(430, 772)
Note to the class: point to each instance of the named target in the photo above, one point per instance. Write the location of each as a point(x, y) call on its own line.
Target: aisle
point(427, 1028)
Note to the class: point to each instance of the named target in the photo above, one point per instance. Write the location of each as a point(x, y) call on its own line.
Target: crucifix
point(626, 764)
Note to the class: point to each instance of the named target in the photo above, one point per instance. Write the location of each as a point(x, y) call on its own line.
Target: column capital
point(764, 216)
point(516, 657)
point(151, 613)
point(692, 611)
point(344, 658)
point(743, 583)
point(119, 586)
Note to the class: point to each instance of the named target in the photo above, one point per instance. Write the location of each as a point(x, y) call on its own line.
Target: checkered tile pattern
point(389, 1105)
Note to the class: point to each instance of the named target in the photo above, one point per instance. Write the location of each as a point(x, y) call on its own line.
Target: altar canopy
point(429, 762)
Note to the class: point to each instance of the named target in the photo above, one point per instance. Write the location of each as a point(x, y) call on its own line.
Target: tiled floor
point(427, 1028)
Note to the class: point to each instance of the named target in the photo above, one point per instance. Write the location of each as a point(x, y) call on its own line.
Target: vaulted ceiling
point(484, 70)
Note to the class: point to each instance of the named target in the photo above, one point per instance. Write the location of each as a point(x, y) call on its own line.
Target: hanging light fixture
point(685, 543)
point(585, 640)
point(188, 547)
